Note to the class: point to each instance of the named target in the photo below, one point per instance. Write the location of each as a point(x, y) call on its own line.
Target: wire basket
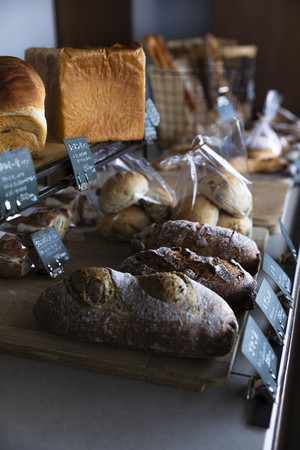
point(186, 96)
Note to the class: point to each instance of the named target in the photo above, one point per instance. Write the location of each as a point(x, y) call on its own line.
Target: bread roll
point(201, 210)
point(242, 225)
point(98, 93)
point(203, 239)
point(121, 226)
point(22, 113)
point(227, 192)
point(122, 190)
point(227, 278)
point(268, 164)
point(162, 313)
point(157, 203)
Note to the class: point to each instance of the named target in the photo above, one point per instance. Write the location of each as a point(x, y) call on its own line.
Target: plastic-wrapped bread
point(227, 278)
point(165, 313)
point(203, 239)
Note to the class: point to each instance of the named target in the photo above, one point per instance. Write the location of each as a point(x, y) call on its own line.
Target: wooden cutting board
point(21, 335)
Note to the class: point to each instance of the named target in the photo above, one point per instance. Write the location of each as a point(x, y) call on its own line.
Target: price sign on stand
point(18, 184)
point(272, 308)
point(260, 354)
point(82, 161)
point(279, 276)
point(51, 250)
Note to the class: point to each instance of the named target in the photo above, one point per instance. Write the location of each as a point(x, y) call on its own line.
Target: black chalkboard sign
point(279, 276)
point(288, 240)
point(18, 184)
point(82, 161)
point(51, 250)
point(261, 355)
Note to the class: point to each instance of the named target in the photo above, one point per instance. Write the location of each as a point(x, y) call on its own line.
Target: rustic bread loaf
point(162, 313)
point(203, 239)
point(22, 110)
point(227, 192)
point(227, 278)
point(121, 190)
point(17, 254)
point(98, 93)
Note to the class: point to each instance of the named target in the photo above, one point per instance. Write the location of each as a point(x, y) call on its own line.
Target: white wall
point(26, 23)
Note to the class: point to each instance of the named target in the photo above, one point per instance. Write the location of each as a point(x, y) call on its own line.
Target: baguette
point(162, 313)
point(203, 239)
point(227, 278)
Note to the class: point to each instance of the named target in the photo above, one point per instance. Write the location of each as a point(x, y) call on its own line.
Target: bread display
point(164, 313)
point(122, 190)
point(22, 109)
point(199, 210)
point(203, 239)
point(98, 93)
point(121, 226)
point(228, 192)
point(227, 278)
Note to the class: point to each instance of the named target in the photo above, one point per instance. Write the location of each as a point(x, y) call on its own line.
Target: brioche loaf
point(98, 93)
point(22, 113)
point(162, 313)
point(203, 239)
point(227, 278)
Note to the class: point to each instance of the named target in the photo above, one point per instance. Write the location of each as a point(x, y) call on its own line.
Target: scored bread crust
point(22, 113)
point(162, 313)
point(203, 239)
point(227, 278)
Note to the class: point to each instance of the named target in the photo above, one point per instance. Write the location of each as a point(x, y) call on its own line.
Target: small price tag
point(51, 250)
point(152, 119)
point(279, 276)
point(272, 308)
point(82, 161)
point(18, 184)
point(225, 109)
point(288, 240)
point(260, 354)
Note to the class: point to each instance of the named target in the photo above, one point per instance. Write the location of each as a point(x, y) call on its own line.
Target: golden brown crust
point(162, 313)
point(200, 210)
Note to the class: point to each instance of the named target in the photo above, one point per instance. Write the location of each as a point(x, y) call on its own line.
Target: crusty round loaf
point(122, 190)
point(22, 113)
point(164, 313)
point(201, 210)
point(227, 192)
point(242, 225)
point(203, 239)
point(123, 224)
point(227, 278)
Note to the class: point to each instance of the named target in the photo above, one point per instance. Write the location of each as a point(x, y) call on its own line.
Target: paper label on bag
point(82, 161)
point(288, 240)
point(279, 276)
point(272, 308)
point(18, 183)
point(51, 250)
point(225, 109)
point(260, 354)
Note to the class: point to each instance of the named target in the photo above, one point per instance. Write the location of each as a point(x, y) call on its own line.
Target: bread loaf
point(200, 210)
point(242, 225)
point(98, 93)
point(227, 278)
point(22, 113)
point(162, 313)
point(17, 254)
point(203, 239)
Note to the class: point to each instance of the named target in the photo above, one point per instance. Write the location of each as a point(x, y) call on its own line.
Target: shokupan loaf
point(203, 239)
point(98, 93)
point(162, 313)
point(22, 107)
point(227, 278)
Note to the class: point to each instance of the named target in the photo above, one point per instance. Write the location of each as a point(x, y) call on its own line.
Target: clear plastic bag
point(210, 190)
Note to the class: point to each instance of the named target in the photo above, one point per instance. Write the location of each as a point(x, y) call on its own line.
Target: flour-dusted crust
point(203, 239)
point(227, 278)
point(164, 313)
